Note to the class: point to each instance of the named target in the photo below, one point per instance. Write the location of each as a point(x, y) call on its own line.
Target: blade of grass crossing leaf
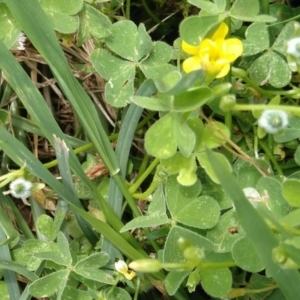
point(62, 154)
point(261, 236)
point(9, 276)
point(126, 134)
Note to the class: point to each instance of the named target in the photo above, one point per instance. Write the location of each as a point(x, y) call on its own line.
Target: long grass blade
point(261, 236)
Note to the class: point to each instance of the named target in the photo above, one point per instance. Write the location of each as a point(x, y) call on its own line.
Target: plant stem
point(141, 179)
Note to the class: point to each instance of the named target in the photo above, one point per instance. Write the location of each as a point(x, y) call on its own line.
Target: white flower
point(293, 47)
point(273, 121)
point(21, 41)
point(122, 268)
point(20, 188)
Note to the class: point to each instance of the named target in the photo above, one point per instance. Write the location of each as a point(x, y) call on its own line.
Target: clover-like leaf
point(194, 28)
point(257, 39)
point(160, 139)
point(119, 73)
point(129, 41)
point(61, 14)
point(246, 256)
point(291, 191)
point(270, 68)
point(92, 22)
point(248, 11)
point(216, 282)
point(172, 253)
point(50, 284)
point(225, 234)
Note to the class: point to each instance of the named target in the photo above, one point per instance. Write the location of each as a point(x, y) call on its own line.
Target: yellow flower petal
point(224, 71)
point(191, 64)
point(232, 49)
point(189, 49)
point(221, 32)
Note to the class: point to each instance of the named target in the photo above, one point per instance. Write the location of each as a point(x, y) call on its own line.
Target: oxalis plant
point(181, 180)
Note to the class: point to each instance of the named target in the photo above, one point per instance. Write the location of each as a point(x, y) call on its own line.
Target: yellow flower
point(122, 268)
point(214, 54)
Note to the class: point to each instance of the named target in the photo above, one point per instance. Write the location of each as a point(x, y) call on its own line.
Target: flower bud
point(193, 280)
point(282, 259)
point(146, 265)
point(221, 89)
point(240, 73)
point(227, 103)
point(194, 254)
point(183, 243)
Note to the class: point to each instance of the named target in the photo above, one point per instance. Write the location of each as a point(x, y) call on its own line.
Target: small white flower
point(273, 121)
point(20, 188)
point(21, 41)
point(293, 47)
point(122, 268)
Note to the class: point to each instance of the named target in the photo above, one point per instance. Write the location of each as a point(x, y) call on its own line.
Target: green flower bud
point(221, 89)
point(146, 265)
point(183, 243)
point(227, 103)
point(194, 254)
point(193, 280)
point(240, 73)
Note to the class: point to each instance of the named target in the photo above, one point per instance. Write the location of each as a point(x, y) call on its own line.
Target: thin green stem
point(245, 107)
point(270, 156)
point(127, 12)
point(141, 179)
point(147, 193)
point(150, 13)
point(143, 166)
point(264, 7)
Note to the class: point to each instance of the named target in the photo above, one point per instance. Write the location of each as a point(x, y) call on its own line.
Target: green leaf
point(291, 191)
point(184, 135)
point(26, 254)
point(270, 68)
point(248, 11)
point(60, 14)
point(259, 233)
point(246, 256)
point(157, 71)
point(192, 99)
point(119, 73)
point(160, 138)
point(115, 293)
point(146, 221)
point(129, 41)
point(213, 135)
point(92, 22)
point(216, 282)
point(96, 260)
point(75, 293)
point(174, 280)
point(45, 226)
point(205, 5)
point(227, 232)
point(160, 54)
point(285, 35)
point(202, 212)
point(290, 133)
point(292, 219)
point(50, 284)
point(172, 253)
point(206, 165)
point(103, 276)
point(257, 39)
point(195, 28)
point(270, 188)
point(9, 28)
point(297, 156)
